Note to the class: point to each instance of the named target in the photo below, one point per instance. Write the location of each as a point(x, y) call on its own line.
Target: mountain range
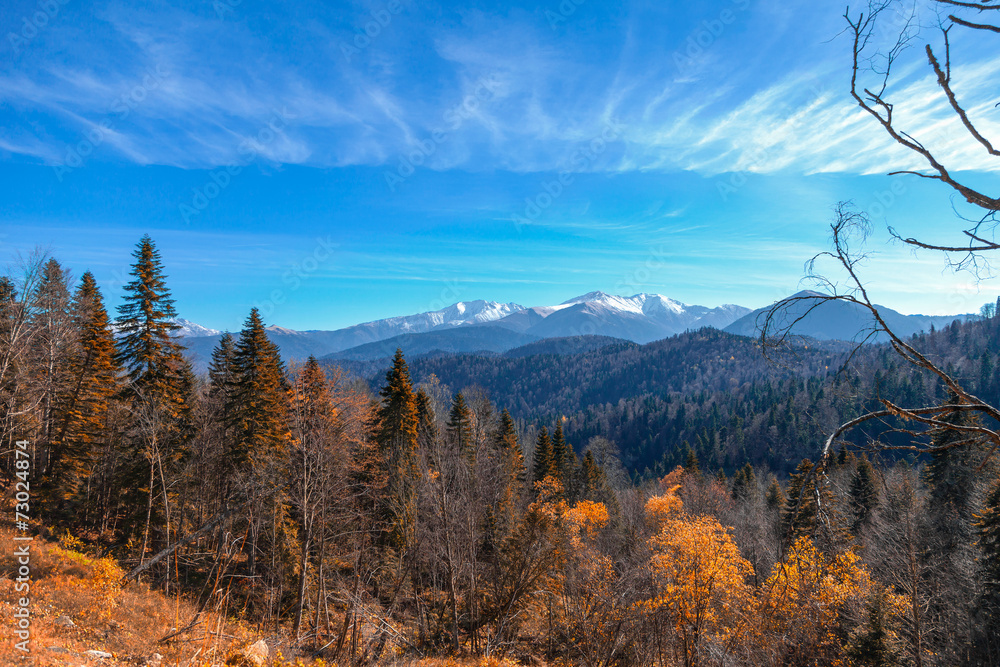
point(814, 315)
point(493, 327)
point(486, 326)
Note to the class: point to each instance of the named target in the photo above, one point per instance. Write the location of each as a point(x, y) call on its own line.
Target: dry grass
point(126, 621)
point(131, 621)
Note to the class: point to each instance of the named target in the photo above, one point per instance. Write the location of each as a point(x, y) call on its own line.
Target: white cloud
point(223, 85)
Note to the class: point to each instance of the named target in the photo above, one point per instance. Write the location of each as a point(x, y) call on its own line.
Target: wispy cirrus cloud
point(738, 107)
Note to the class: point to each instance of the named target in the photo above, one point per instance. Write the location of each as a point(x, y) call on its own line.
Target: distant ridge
point(837, 320)
point(496, 327)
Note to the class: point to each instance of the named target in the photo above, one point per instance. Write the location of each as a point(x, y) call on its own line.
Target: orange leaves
point(808, 578)
point(662, 509)
point(587, 517)
point(698, 571)
point(801, 601)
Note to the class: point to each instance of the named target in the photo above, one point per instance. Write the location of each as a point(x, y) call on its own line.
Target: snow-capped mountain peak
point(640, 304)
point(457, 314)
point(189, 329)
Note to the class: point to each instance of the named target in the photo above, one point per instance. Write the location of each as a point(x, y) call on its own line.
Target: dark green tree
point(953, 475)
point(542, 466)
point(864, 494)
point(51, 347)
point(876, 644)
point(222, 369)
point(396, 434)
point(258, 401)
point(460, 426)
point(427, 428)
point(775, 497)
point(593, 484)
point(563, 457)
point(157, 390)
point(744, 483)
point(147, 348)
point(691, 466)
point(803, 515)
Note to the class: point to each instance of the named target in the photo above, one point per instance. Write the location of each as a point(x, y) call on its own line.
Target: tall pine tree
point(864, 494)
point(543, 462)
point(50, 350)
point(157, 389)
point(563, 458)
point(147, 348)
point(396, 434)
point(258, 410)
point(460, 426)
point(82, 429)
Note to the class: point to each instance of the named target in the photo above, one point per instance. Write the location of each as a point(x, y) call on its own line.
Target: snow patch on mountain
point(189, 329)
point(458, 314)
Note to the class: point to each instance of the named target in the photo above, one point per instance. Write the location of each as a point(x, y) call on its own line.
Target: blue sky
point(282, 157)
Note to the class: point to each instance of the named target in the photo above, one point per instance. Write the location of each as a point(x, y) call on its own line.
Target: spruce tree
point(954, 477)
point(51, 346)
point(396, 435)
point(507, 450)
point(775, 497)
point(507, 446)
point(559, 456)
point(257, 455)
point(802, 515)
point(214, 458)
point(691, 463)
point(593, 483)
point(744, 483)
point(460, 426)
point(147, 348)
point(83, 407)
point(543, 465)
point(876, 644)
point(157, 389)
point(258, 403)
point(864, 494)
point(563, 458)
point(427, 426)
point(222, 369)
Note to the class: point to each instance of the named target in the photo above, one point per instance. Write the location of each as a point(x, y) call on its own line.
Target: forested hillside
point(491, 518)
point(711, 391)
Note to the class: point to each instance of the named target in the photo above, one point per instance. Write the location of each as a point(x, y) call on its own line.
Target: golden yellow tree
point(801, 603)
point(699, 576)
